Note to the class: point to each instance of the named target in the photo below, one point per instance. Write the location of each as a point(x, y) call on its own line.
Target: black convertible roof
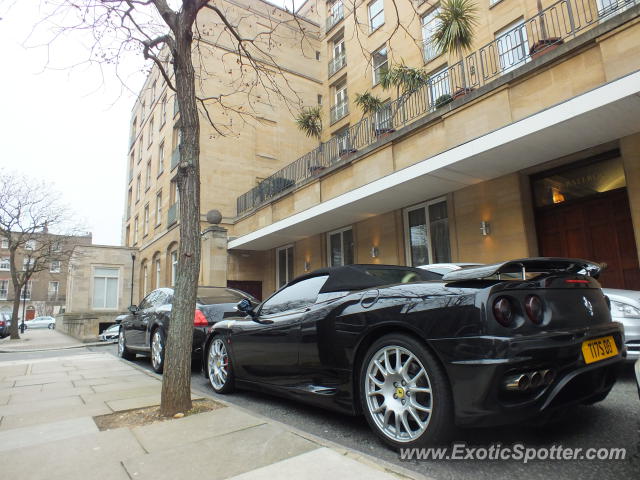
point(523, 265)
point(359, 277)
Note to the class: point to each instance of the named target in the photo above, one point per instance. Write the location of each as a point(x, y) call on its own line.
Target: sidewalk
point(39, 339)
point(47, 430)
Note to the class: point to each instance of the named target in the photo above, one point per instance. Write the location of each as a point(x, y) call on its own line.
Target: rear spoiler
point(524, 265)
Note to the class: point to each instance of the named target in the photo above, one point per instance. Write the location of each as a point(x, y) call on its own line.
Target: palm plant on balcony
point(406, 80)
point(309, 121)
point(545, 43)
point(368, 103)
point(455, 32)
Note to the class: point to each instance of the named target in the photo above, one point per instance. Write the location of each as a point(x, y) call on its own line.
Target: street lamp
point(133, 266)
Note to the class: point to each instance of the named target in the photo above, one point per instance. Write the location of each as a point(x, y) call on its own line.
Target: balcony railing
point(336, 15)
point(175, 157)
point(558, 23)
point(339, 111)
point(172, 214)
point(337, 63)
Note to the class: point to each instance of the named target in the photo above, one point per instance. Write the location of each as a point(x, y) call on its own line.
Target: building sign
point(579, 182)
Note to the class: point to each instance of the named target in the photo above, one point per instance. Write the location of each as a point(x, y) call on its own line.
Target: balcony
point(335, 16)
point(175, 157)
point(172, 214)
point(337, 63)
point(339, 111)
point(563, 21)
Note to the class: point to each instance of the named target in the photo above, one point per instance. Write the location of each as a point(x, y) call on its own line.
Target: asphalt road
point(615, 422)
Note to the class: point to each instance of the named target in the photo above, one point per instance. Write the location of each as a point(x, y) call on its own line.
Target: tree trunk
point(176, 382)
point(14, 315)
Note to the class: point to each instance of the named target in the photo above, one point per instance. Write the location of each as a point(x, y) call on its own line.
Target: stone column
point(214, 257)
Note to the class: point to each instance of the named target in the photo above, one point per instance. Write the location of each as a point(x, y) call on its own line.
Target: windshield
point(214, 295)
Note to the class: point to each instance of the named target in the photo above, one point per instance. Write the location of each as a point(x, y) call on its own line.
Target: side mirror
point(133, 309)
point(245, 306)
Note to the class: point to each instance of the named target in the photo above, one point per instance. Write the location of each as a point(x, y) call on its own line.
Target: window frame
point(341, 232)
point(406, 235)
point(54, 269)
point(174, 266)
point(376, 69)
point(372, 17)
point(286, 249)
point(5, 264)
point(297, 308)
point(57, 290)
point(428, 27)
point(94, 276)
point(5, 289)
point(509, 31)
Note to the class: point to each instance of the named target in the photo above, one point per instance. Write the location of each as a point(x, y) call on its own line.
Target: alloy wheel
point(157, 349)
point(218, 364)
point(398, 393)
point(121, 342)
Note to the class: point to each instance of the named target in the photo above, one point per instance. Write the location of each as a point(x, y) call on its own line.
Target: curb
point(96, 344)
point(362, 457)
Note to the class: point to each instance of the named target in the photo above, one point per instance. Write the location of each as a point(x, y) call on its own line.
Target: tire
point(416, 389)
point(51, 326)
point(158, 345)
point(123, 351)
point(219, 369)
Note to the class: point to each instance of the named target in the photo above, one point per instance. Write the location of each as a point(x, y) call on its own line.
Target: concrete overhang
point(603, 114)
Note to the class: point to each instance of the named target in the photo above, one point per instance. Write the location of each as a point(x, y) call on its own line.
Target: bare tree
point(38, 230)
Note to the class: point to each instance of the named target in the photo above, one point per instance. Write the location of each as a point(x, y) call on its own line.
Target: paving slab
point(40, 379)
point(138, 402)
point(53, 414)
point(318, 464)
point(4, 399)
point(13, 370)
point(49, 395)
point(29, 390)
point(109, 387)
point(220, 457)
point(166, 435)
point(132, 391)
point(37, 405)
point(49, 432)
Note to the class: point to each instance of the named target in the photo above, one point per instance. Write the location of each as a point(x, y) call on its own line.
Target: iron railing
point(336, 15)
point(337, 63)
point(339, 111)
point(552, 26)
point(172, 214)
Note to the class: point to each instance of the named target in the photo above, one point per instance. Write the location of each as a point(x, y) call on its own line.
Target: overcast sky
point(69, 128)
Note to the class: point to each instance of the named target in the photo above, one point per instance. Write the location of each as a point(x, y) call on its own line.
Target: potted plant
point(406, 80)
point(454, 33)
point(309, 121)
point(442, 100)
point(546, 43)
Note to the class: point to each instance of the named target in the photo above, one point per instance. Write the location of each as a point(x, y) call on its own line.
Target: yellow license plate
point(599, 349)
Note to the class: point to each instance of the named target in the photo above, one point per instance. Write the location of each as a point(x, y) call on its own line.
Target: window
point(429, 24)
point(174, 267)
point(4, 289)
point(28, 263)
point(284, 265)
point(158, 208)
point(4, 243)
point(4, 264)
point(343, 140)
point(161, 159)
point(163, 111)
point(176, 105)
point(105, 288)
point(384, 118)
point(147, 179)
point(512, 45)
point(30, 245)
point(127, 237)
point(157, 273)
point(340, 247)
point(296, 296)
point(135, 230)
point(341, 105)
point(319, 99)
point(129, 199)
point(140, 144)
point(138, 187)
point(427, 233)
point(55, 266)
point(338, 58)
point(335, 14)
point(376, 14)
point(145, 226)
point(54, 287)
point(380, 64)
point(25, 293)
point(133, 128)
point(142, 109)
point(150, 131)
point(153, 91)
point(145, 278)
point(56, 246)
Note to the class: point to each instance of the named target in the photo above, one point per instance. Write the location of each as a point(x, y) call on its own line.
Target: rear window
point(400, 275)
point(213, 295)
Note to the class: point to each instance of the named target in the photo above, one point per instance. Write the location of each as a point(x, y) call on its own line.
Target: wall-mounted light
point(307, 265)
point(485, 228)
point(374, 252)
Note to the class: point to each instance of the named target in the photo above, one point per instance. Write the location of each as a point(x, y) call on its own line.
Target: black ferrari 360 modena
point(488, 345)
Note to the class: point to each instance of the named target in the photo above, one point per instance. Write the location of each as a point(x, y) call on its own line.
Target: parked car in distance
point(110, 334)
point(5, 324)
point(625, 307)
point(41, 322)
point(144, 329)
point(480, 347)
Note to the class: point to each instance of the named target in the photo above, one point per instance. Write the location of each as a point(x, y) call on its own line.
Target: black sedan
point(144, 329)
point(417, 356)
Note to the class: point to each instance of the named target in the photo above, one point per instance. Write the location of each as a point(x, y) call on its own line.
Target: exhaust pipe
point(548, 376)
point(524, 381)
point(536, 379)
point(517, 382)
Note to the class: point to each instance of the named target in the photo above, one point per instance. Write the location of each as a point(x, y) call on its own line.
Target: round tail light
point(503, 311)
point(533, 307)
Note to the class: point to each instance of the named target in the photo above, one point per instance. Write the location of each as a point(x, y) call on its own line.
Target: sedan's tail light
point(199, 320)
point(503, 311)
point(533, 306)
point(1, 323)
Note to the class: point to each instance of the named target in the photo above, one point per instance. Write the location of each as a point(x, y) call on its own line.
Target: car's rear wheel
point(157, 350)
point(123, 351)
point(51, 326)
point(404, 393)
point(219, 369)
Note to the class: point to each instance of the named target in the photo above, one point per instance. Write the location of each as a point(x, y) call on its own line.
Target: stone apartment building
point(45, 293)
point(527, 145)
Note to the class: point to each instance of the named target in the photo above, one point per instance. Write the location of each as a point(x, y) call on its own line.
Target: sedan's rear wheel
point(157, 350)
point(123, 351)
point(219, 369)
point(404, 393)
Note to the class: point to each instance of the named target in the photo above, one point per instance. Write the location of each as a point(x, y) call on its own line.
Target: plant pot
point(381, 132)
point(315, 169)
point(461, 92)
point(346, 152)
point(442, 100)
point(544, 46)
